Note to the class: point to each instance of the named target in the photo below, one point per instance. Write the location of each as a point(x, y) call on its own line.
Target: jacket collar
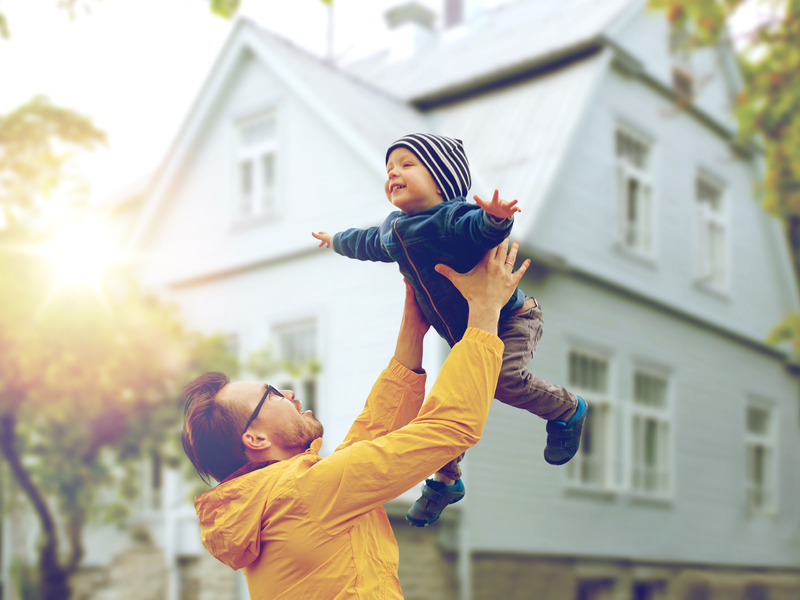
point(256, 465)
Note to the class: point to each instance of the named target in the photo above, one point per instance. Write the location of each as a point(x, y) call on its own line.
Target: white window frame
point(768, 442)
point(712, 272)
point(662, 418)
point(298, 381)
point(600, 402)
point(637, 235)
point(262, 201)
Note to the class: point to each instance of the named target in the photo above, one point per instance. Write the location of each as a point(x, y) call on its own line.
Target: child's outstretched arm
point(500, 209)
point(487, 227)
point(325, 239)
point(362, 244)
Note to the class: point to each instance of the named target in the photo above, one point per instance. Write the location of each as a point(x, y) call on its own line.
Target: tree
point(88, 374)
point(767, 109)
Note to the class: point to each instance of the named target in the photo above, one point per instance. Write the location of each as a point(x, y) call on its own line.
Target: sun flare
point(80, 254)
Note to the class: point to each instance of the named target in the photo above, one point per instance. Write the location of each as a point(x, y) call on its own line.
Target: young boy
point(427, 179)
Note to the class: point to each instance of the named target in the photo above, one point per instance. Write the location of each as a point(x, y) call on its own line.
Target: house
point(659, 274)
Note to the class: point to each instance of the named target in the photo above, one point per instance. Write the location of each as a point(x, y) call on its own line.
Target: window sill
point(646, 260)
point(712, 290)
point(652, 500)
point(585, 491)
point(253, 222)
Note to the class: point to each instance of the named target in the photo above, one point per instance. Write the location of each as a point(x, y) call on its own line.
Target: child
point(428, 177)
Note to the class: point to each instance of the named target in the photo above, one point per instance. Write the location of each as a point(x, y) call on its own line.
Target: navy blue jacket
point(454, 233)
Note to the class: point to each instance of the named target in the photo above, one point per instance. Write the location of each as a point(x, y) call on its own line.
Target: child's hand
point(499, 209)
point(325, 239)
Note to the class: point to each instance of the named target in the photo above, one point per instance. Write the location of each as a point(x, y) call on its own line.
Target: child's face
point(409, 185)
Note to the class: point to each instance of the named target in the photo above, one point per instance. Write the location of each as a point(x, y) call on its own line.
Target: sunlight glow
point(80, 253)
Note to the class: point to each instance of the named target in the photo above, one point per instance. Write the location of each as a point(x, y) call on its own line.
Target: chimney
point(410, 27)
point(460, 12)
point(453, 14)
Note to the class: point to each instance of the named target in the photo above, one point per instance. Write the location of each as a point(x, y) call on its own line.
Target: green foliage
point(224, 8)
point(37, 141)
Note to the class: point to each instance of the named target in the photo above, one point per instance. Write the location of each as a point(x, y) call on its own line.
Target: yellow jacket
point(314, 528)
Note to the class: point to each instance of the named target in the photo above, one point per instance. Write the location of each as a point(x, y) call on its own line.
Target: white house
point(658, 272)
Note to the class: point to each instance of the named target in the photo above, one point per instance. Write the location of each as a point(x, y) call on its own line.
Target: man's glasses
point(270, 390)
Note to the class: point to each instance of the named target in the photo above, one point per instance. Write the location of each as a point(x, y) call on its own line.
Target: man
point(301, 526)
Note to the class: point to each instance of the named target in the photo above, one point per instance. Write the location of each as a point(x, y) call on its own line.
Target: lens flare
point(80, 254)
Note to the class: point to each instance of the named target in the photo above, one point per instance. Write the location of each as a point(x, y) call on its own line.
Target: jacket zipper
point(427, 293)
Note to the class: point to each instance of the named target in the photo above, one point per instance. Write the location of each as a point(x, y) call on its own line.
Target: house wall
point(584, 209)
point(645, 34)
point(196, 232)
point(521, 504)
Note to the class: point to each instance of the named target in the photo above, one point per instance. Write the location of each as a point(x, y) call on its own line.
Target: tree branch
point(8, 438)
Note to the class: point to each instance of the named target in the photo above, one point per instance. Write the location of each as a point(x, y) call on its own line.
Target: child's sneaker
point(435, 496)
point(564, 439)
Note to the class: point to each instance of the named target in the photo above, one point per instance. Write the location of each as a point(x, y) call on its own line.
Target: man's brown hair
point(212, 430)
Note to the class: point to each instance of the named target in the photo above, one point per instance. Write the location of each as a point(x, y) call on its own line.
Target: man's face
point(409, 185)
point(281, 420)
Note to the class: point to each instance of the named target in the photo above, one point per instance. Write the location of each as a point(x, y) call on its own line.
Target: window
point(682, 72)
point(297, 350)
point(595, 589)
point(648, 590)
point(588, 378)
point(711, 255)
point(760, 458)
point(650, 447)
point(256, 172)
point(635, 192)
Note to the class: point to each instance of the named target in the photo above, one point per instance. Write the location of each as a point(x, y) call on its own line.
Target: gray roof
point(501, 41)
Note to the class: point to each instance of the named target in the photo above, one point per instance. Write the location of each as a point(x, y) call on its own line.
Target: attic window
point(256, 166)
point(682, 83)
point(680, 48)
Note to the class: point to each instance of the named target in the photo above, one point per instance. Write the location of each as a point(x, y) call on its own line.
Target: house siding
point(711, 380)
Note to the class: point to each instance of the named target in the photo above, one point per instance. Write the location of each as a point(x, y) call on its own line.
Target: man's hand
point(498, 208)
point(489, 285)
point(325, 239)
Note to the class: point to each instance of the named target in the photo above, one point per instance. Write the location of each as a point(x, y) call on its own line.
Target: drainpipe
point(464, 549)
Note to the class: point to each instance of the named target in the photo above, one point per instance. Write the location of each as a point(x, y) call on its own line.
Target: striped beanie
point(444, 157)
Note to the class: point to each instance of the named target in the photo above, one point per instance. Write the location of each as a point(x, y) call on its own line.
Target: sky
point(135, 66)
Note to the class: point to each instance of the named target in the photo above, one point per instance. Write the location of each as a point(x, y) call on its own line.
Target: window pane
point(587, 373)
point(298, 343)
point(632, 150)
point(757, 420)
point(649, 390)
point(258, 132)
point(246, 187)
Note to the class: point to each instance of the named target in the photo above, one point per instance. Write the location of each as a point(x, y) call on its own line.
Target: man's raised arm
point(365, 475)
point(397, 395)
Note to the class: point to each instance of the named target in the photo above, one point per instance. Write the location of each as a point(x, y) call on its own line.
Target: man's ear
point(256, 443)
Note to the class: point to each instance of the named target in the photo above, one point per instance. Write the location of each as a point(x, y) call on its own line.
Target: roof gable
point(363, 118)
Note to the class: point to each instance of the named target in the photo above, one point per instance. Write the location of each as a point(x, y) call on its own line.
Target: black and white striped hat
point(444, 157)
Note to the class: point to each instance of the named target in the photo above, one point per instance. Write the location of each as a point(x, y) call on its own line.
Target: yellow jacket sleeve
point(365, 474)
point(395, 399)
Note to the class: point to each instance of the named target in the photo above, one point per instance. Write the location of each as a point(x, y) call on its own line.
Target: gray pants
point(517, 386)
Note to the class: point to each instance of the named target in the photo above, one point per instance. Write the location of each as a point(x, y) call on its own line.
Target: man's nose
point(287, 394)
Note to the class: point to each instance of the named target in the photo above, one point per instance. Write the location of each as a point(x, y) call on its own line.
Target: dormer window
point(256, 166)
point(682, 73)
